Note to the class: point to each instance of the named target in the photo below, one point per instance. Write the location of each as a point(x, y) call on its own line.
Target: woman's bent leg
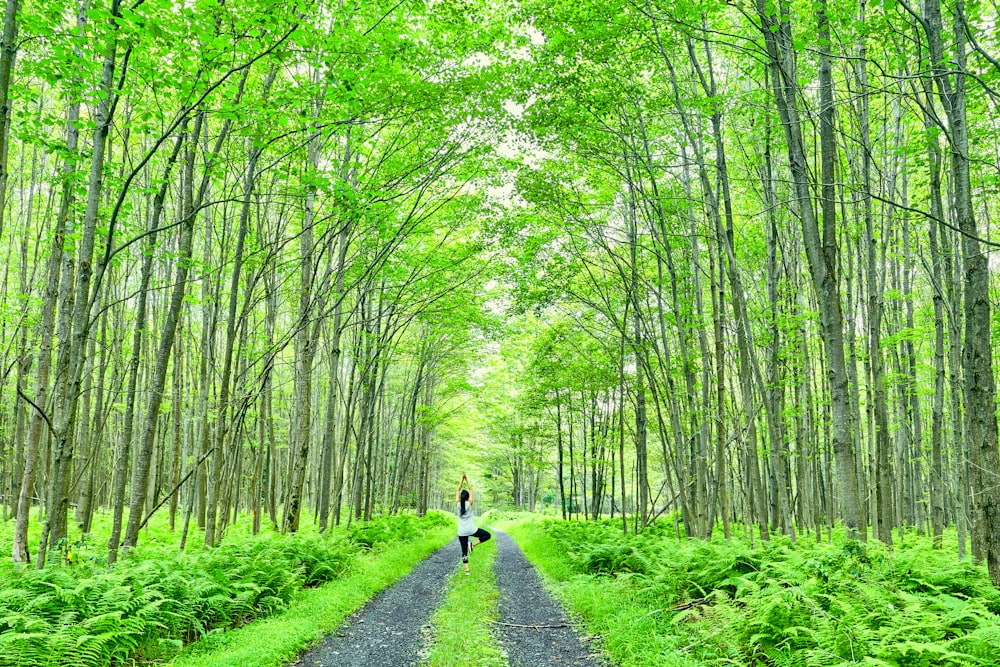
point(482, 535)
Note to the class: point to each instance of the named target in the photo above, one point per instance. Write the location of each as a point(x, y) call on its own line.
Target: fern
point(808, 604)
point(147, 606)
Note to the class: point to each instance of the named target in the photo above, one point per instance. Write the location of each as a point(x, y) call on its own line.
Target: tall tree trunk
point(53, 295)
point(559, 449)
point(140, 477)
point(329, 452)
point(304, 347)
point(915, 421)
point(82, 298)
point(177, 422)
point(125, 444)
point(937, 412)
point(876, 286)
point(821, 248)
point(977, 362)
point(8, 52)
point(641, 364)
point(621, 420)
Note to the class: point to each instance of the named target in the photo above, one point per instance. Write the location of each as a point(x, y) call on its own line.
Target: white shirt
point(466, 522)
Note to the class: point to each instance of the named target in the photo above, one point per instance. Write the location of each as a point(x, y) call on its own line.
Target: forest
point(716, 272)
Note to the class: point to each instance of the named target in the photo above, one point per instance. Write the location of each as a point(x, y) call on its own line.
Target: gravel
point(550, 638)
point(388, 630)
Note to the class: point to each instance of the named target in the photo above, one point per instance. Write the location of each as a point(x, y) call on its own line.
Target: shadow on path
point(387, 631)
point(534, 629)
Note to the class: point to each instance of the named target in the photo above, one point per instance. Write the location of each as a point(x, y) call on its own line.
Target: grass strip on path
point(277, 640)
point(630, 636)
point(461, 627)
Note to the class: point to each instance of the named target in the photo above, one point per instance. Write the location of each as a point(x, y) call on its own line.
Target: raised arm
point(458, 493)
point(472, 496)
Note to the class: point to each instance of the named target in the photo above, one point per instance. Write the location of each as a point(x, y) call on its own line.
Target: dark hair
point(464, 496)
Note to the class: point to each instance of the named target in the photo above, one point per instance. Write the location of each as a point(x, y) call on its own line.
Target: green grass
point(461, 627)
point(657, 600)
point(315, 612)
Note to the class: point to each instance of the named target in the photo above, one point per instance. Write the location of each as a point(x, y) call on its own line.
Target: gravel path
point(387, 631)
point(525, 602)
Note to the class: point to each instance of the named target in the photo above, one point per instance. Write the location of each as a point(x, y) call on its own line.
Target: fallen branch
point(533, 627)
point(690, 604)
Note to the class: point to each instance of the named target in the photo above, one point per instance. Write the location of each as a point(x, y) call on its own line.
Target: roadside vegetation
point(462, 628)
point(654, 599)
point(159, 603)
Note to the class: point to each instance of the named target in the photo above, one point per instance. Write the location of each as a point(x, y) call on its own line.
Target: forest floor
point(393, 628)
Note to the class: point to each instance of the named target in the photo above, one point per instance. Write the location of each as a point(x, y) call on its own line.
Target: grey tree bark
point(140, 477)
point(8, 52)
point(125, 443)
point(53, 295)
point(75, 344)
point(821, 246)
point(977, 361)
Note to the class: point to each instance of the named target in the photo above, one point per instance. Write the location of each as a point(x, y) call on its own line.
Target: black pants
point(483, 535)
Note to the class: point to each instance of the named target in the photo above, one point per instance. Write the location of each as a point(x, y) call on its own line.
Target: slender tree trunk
point(304, 352)
point(821, 248)
point(83, 300)
point(176, 402)
point(140, 477)
point(937, 278)
point(123, 453)
point(977, 362)
point(8, 52)
point(621, 422)
point(642, 510)
point(559, 449)
point(54, 293)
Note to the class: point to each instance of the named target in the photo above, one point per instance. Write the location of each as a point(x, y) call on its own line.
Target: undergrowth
point(277, 640)
point(395, 528)
point(657, 600)
point(152, 603)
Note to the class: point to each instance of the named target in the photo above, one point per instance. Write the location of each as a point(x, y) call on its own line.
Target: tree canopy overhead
point(724, 264)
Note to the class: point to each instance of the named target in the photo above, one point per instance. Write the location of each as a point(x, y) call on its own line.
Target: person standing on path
point(466, 521)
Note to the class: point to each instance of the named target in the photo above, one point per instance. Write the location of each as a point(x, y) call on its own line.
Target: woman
point(466, 523)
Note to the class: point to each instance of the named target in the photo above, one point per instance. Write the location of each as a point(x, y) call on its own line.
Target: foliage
point(153, 603)
point(656, 599)
point(392, 529)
